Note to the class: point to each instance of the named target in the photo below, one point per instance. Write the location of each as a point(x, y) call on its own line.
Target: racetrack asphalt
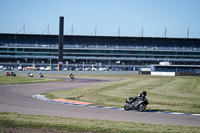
point(19, 98)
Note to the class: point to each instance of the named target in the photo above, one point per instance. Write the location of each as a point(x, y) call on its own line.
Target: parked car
point(93, 69)
point(87, 69)
point(103, 69)
point(48, 68)
point(65, 69)
point(41, 68)
point(30, 68)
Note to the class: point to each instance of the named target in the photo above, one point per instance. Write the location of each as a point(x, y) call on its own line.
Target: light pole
point(26, 60)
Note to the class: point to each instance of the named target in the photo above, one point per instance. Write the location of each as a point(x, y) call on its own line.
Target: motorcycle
point(138, 103)
point(7, 73)
point(13, 74)
point(41, 75)
point(72, 76)
point(30, 74)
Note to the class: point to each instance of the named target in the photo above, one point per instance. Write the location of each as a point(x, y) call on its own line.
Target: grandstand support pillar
point(61, 42)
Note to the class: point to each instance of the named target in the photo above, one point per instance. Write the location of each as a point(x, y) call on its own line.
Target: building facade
point(126, 52)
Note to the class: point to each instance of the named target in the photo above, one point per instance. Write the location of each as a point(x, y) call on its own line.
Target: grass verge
point(174, 94)
point(42, 123)
point(23, 80)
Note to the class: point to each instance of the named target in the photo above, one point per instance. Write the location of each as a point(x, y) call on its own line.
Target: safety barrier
point(187, 74)
point(163, 73)
point(175, 74)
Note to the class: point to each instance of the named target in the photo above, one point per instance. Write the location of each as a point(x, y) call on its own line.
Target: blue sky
point(106, 15)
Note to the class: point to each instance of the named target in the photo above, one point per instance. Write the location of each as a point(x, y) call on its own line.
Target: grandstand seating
point(88, 46)
point(146, 50)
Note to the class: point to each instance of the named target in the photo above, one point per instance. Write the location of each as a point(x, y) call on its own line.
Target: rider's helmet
point(144, 93)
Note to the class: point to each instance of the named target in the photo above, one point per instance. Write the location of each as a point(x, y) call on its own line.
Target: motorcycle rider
point(141, 95)
point(30, 74)
point(71, 76)
point(41, 75)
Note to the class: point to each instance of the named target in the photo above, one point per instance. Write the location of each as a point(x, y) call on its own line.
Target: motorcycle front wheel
point(126, 107)
point(142, 107)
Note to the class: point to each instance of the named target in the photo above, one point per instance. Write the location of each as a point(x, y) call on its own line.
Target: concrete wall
point(187, 74)
point(163, 73)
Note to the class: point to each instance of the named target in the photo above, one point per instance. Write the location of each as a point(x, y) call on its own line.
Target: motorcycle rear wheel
point(142, 107)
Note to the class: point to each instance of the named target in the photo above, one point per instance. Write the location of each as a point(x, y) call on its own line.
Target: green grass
point(174, 94)
point(177, 94)
point(46, 123)
point(23, 80)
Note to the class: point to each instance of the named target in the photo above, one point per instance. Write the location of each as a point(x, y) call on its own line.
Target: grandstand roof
point(120, 40)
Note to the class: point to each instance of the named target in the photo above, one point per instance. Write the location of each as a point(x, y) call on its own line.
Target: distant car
point(103, 69)
point(7, 69)
point(93, 69)
point(55, 68)
point(87, 69)
point(65, 69)
point(48, 68)
point(30, 68)
point(41, 68)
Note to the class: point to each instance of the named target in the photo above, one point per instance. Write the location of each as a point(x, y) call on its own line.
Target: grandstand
point(118, 53)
